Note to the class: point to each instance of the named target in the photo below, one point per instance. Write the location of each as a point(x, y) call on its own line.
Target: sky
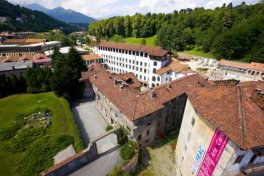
point(106, 8)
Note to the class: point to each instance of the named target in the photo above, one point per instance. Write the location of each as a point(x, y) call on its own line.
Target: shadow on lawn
point(144, 162)
point(170, 137)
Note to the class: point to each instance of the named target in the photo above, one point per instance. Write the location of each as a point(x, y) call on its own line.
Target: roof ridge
point(242, 117)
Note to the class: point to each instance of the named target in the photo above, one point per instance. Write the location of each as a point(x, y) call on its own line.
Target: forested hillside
point(22, 19)
point(228, 32)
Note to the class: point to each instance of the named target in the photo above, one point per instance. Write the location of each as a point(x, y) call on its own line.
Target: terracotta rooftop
point(227, 105)
point(150, 50)
point(184, 57)
point(129, 78)
point(36, 58)
point(233, 110)
point(134, 104)
point(23, 41)
point(91, 57)
point(252, 65)
point(174, 66)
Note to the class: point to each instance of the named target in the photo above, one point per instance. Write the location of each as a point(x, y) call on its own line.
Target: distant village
point(218, 105)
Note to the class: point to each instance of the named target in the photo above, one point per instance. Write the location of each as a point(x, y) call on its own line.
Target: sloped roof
point(252, 65)
point(233, 110)
point(174, 66)
point(150, 50)
point(91, 57)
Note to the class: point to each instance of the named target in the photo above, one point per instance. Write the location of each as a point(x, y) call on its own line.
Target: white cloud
point(102, 8)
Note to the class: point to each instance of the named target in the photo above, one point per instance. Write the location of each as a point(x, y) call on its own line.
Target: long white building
point(145, 62)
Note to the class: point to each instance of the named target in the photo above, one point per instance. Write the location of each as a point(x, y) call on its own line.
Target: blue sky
point(105, 8)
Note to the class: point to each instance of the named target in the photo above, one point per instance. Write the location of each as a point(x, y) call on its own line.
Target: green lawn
point(14, 106)
point(199, 53)
point(149, 41)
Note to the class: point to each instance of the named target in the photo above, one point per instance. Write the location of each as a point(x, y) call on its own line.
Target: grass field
point(199, 53)
point(149, 41)
point(14, 106)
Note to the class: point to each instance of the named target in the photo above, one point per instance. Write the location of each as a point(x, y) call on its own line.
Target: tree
point(66, 74)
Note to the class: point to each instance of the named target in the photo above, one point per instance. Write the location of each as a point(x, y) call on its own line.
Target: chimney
point(168, 87)
point(152, 93)
point(115, 81)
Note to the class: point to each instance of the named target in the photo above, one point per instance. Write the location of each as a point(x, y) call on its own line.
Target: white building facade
point(143, 61)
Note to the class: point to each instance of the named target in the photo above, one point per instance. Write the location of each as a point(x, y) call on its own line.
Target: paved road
point(101, 166)
point(91, 126)
point(90, 123)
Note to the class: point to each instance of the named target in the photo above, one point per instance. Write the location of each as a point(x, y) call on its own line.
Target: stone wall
point(132, 164)
point(75, 162)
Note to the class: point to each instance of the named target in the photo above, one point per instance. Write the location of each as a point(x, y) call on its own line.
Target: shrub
point(109, 127)
point(117, 171)
point(122, 135)
point(25, 138)
point(12, 130)
point(40, 154)
point(128, 150)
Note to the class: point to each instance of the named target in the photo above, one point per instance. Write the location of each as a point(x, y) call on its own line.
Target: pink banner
point(213, 154)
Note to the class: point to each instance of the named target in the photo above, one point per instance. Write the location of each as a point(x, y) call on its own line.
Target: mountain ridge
point(65, 15)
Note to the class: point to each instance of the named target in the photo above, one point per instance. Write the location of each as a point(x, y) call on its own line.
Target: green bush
point(40, 154)
point(117, 171)
point(109, 127)
point(122, 135)
point(128, 150)
point(24, 139)
point(12, 130)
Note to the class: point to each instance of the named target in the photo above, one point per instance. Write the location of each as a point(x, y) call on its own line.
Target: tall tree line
point(228, 32)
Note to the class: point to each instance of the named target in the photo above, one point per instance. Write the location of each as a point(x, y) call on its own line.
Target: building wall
point(137, 62)
point(145, 129)
point(195, 135)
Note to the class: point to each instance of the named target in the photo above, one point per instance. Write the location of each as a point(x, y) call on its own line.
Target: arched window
point(154, 70)
point(158, 78)
point(157, 84)
point(153, 78)
point(155, 63)
point(152, 85)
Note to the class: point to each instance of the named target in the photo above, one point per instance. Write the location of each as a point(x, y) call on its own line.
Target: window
point(153, 79)
point(146, 55)
point(141, 54)
point(140, 63)
point(158, 78)
point(146, 141)
point(253, 158)
point(193, 121)
point(155, 63)
point(238, 159)
point(147, 132)
point(154, 70)
point(145, 64)
point(139, 137)
point(152, 85)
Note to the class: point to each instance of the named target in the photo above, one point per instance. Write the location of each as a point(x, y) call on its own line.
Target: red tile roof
point(230, 107)
point(140, 104)
point(151, 50)
point(174, 66)
point(23, 41)
point(233, 110)
point(129, 78)
point(252, 65)
point(91, 57)
point(37, 58)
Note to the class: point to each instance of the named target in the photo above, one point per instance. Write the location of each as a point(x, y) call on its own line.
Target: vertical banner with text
point(213, 154)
